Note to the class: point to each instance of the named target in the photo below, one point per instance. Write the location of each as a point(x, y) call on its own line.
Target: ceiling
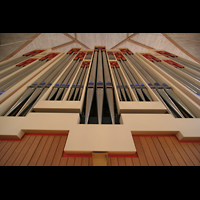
point(183, 44)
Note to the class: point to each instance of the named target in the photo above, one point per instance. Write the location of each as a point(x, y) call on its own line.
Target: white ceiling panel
point(133, 47)
point(189, 41)
point(107, 39)
point(159, 41)
point(72, 34)
point(45, 41)
point(68, 47)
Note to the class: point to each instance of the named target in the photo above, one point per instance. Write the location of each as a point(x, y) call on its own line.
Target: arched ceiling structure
point(136, 42)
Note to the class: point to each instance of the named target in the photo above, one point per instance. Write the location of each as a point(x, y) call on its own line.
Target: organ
point(100, 97)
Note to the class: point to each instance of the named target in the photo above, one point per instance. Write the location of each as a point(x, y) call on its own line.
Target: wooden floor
point(46, 150)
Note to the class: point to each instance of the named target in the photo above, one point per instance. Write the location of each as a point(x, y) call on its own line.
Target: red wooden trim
point(184, 141)
point(11, 139)
point(76, 155)
point(123, 156)
point(4, 139)
point(155, 135)
point(47, 134)
point(110, 156)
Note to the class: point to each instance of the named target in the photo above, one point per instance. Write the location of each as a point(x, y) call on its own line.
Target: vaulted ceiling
point(186, 45)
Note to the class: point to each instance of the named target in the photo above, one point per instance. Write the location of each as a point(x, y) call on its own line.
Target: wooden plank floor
point(47, 150)
point(161, 151)
point(38, 150)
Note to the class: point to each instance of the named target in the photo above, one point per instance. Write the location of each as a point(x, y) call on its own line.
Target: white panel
point(45, 40)
point(133, 47)
point(95, 39)
point(68, 47)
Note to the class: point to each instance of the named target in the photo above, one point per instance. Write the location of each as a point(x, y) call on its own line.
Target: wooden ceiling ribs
point(62, 45)
point(134, 34)
point(182, 49)
point(12, 54)
point(75, 39)
point(140, 44)
point(128, 38)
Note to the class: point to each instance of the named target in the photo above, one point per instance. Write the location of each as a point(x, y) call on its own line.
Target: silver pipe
point(109, 88)
point(13, 62)
point(99, 88)
point(190, 65)
point(186, 82)
point(90, 88)
point(8, 83)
